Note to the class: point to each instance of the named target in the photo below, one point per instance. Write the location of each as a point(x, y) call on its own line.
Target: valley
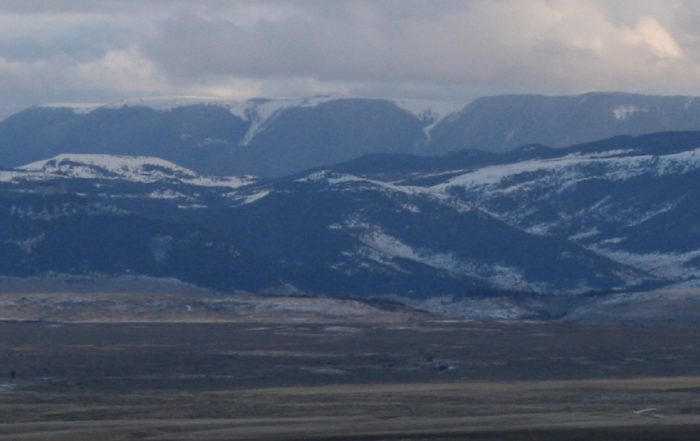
point(413, 378)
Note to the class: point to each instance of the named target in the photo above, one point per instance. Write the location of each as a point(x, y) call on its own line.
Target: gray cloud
point(101, 50)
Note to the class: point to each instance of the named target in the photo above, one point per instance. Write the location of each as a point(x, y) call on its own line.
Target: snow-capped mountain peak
point(142, 169)
point(92, 166)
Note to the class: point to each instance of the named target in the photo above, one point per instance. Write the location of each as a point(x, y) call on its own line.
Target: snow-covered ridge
point(142, 169)
point(348, 182)
point(422, 109)
point(613, 165)
point(247, 109)
point(97, 166)
point(260, 112)
point(80, 108)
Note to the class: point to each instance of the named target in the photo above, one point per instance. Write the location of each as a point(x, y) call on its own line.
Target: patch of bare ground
point(77, 307)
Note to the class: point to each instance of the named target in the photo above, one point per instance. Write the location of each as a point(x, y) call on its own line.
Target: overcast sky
point(107, 50)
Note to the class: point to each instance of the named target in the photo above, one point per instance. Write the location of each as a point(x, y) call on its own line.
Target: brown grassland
point(400, 378)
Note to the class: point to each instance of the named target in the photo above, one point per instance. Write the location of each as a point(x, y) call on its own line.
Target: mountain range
point(278, 137)
point(609, 216)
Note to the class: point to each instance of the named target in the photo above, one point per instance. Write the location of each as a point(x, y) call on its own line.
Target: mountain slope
point(345, 235)
point(127, 168)
point(333, 131)
point(67, 234)
point(277, 137)
point(322, 232)
point(220, 137)
point(615, 214)
point(631, 199)
point(502, 123)
point(196, 136)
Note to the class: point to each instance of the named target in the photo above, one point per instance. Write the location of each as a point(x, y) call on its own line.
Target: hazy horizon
point(106, 51)
point(186, 99)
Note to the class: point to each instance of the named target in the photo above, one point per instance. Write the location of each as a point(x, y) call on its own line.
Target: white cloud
point(101, 50)
point(125, 70)
point(513, 45)
point(657, 38)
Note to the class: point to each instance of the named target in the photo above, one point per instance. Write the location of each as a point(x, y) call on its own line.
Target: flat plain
point(402, 377)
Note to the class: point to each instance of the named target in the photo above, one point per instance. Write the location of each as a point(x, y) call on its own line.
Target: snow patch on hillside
point(491, 308)
point(141, 169)
point(221, 181)
point(688, 284)
point(15, 177)
point(93, 166)
point(430, 112)
point(164, 102)
point(557, 172)
point(357, 183)
point(168, 194)
point(78, 108)
point(255, 197)
point(672, 266)
point(497, 275)
point(623, 112)
point(262, 112)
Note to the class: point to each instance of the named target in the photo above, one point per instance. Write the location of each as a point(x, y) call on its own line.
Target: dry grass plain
point(401, 378)
point(557, 410)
